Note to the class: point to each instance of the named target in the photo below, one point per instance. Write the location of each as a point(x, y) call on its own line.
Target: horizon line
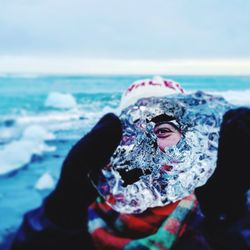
point(30, 65)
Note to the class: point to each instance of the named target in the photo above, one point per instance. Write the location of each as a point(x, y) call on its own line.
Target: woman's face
point(167, 135)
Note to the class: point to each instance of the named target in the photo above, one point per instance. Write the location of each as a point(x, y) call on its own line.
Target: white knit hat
point(155, 87)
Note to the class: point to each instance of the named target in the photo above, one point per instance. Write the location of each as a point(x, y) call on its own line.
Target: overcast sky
point(118, 29)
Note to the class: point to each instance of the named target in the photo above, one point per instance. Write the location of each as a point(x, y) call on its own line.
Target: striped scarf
point(157, 228)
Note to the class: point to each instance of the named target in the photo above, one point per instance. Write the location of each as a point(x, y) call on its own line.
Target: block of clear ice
point(140, 175)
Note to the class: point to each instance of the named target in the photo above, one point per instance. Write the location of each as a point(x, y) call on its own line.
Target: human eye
point(163, 132)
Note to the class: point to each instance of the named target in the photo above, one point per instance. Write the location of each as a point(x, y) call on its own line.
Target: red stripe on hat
point(154, 83)
point(169, 84)
point(182, 90)
point(130, 88)
point(141, 84)
point(135, 86)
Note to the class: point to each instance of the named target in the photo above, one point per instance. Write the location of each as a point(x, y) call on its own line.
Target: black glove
point(67, 205)
point(223, 198)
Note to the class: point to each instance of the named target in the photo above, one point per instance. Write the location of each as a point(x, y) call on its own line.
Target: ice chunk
point(37, 133)
point(19, 152)
point(60, 100)
point(140, 174)
point(46, 181)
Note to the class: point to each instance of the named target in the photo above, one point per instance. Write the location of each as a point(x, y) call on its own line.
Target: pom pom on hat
point(155, 87)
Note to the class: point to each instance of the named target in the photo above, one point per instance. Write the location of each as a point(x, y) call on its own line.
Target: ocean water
point(41, 117)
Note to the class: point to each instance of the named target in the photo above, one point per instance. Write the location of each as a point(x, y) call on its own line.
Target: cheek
point(169, 141)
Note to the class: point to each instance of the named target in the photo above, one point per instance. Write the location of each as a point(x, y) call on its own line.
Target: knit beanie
point(156, 87)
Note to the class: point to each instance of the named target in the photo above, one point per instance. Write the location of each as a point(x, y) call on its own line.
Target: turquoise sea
point(41, 117)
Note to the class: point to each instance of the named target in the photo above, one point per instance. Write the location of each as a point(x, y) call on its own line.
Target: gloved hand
point(67, 205)
point(223, 198)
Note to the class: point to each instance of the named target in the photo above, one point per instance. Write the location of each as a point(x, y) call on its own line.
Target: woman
point(71, 217)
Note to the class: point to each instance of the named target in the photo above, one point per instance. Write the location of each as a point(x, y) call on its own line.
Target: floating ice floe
point(6, 134)
point(37, 133)
point(18, 153)
point(60, 100)
point(46, 181)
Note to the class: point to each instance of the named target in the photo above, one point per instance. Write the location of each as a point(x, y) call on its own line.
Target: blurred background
point(63, 64)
